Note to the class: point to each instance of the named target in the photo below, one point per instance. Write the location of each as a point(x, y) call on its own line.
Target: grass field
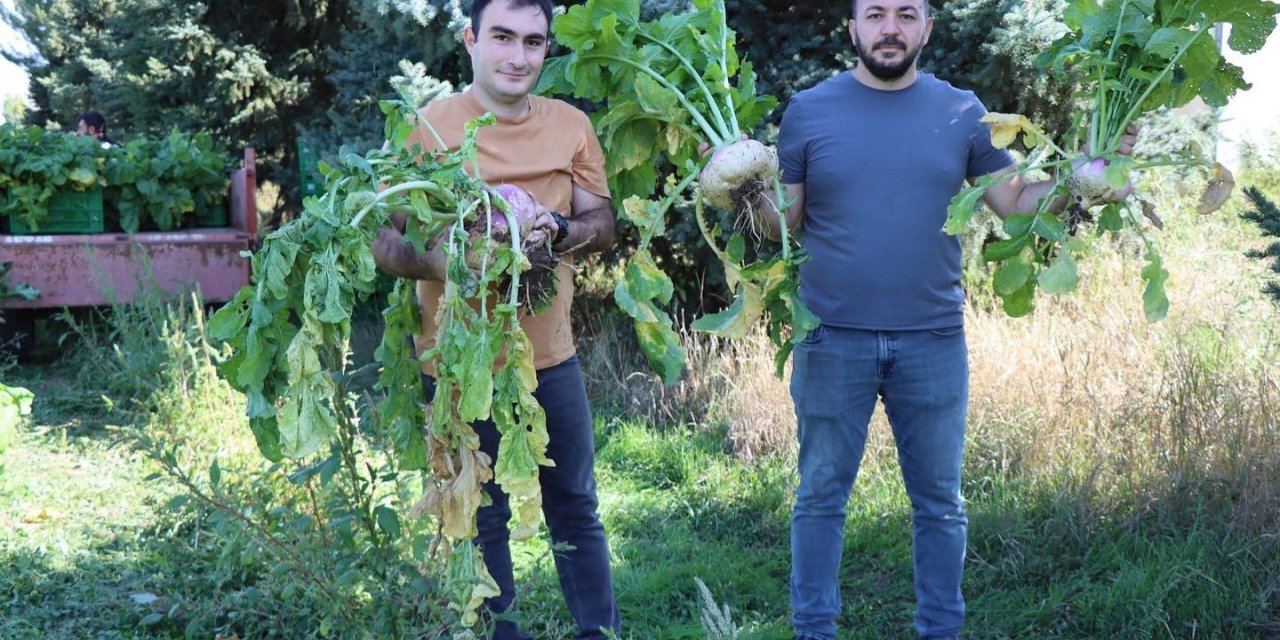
point(1123, 481)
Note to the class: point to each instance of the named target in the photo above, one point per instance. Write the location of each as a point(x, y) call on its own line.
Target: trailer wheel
point(17, 333)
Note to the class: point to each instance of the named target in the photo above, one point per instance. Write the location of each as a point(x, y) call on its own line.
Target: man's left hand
point(544, 227)
point(1128, 141)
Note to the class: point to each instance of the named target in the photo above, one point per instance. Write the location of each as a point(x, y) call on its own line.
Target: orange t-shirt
point(546, 152)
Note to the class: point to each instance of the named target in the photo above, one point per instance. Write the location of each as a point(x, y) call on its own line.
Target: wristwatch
point(562, 228)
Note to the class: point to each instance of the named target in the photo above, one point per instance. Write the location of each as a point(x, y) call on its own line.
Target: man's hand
point(1128, 141)
point(545, 229)
point(395, 256)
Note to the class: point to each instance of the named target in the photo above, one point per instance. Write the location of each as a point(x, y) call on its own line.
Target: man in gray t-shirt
point(870, 159)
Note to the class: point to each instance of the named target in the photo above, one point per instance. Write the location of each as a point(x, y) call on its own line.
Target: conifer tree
point(1266, 215)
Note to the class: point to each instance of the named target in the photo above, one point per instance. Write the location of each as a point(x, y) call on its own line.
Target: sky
point(13, 80)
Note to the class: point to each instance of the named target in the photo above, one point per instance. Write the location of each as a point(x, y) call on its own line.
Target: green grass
point(79, 530)
point(92, 548)
point(677, 508)
point(86, 544)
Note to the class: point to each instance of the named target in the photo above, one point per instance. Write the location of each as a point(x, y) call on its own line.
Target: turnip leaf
point(1061, 276)
point(1010, 277)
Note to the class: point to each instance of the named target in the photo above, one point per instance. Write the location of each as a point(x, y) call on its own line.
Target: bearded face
point(889, 34)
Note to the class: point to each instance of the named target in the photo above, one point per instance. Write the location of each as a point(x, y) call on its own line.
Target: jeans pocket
point(815, 335)
point(948, 332)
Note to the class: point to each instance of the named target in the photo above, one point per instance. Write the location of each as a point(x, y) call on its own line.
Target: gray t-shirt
point(879, 168)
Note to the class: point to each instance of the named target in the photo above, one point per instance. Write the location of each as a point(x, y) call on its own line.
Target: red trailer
point(105, 268)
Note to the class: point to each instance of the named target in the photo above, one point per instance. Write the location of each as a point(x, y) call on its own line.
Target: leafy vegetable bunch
point(667, 85)
point(1131, 57)
point(15, 404)
point(163, 182)
point(290, 333)
point(35, 164)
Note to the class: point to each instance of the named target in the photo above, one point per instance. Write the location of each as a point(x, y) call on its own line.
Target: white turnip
point(737, 172)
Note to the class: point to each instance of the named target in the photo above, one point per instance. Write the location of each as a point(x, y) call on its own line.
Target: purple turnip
point(538, 283)
point(1089, 186)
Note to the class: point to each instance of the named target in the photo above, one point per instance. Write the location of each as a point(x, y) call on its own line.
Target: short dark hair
point(93, 119)
point(853, 8)
point(478, 8)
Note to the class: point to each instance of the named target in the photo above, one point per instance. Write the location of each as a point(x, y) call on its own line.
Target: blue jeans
point(569, 503)
point(923, 379)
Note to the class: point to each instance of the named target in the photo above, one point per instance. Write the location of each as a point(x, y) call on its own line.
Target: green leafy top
point(290, 330)
point(35, 164)
point(667, 84)
point(1140, 55)
point(164, 180)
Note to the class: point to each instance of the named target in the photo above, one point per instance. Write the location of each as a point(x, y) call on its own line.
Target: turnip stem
point(1101, 116)
point(734, 131)
point(696, 76)
point(715, 137)
point(440, 141)
point(781, 205)
point(422, 185)
point(1136, 110)
point(667, 202)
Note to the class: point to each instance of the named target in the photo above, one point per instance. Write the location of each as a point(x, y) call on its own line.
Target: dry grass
point(1083, 391)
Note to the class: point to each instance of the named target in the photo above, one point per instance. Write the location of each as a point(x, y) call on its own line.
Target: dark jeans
point(569, 503)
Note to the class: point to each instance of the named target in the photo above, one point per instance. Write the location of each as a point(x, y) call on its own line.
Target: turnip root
point(737, 172)
point(520, 203)
point(1089, 186)
point(491, 229)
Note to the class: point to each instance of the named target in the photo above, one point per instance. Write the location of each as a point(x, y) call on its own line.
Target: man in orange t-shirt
point(548, 148)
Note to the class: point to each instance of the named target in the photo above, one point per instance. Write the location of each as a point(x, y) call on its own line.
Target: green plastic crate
point(308, 172)
point(70, 212)
point(211, 215)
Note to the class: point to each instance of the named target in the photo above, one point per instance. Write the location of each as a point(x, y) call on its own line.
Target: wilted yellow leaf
point(1218, 191)
point(1005, 128)
point(1149, 210)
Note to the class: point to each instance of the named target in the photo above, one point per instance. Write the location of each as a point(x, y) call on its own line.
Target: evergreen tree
point(990, 46)
point(244, 72)
point(1266, 215)
point(414, 44)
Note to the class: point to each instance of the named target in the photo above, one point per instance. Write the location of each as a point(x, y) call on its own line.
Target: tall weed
point(317, 546)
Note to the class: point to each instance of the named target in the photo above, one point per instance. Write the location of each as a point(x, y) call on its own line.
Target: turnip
point(290, 335)
point(1089, 185)
point(670, 85)
point(738, 172)
point(1130, 57)
point(519, 202)
point(492, 229)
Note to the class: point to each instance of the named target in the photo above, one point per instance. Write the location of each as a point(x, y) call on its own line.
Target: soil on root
point(749, 216)
point(538, 283)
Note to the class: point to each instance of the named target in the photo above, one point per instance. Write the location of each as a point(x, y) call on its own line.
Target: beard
point(887, 71)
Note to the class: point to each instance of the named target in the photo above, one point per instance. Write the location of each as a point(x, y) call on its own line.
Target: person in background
point(94, 125)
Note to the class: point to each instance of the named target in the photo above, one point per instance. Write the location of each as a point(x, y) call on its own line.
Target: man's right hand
point(395, 256)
